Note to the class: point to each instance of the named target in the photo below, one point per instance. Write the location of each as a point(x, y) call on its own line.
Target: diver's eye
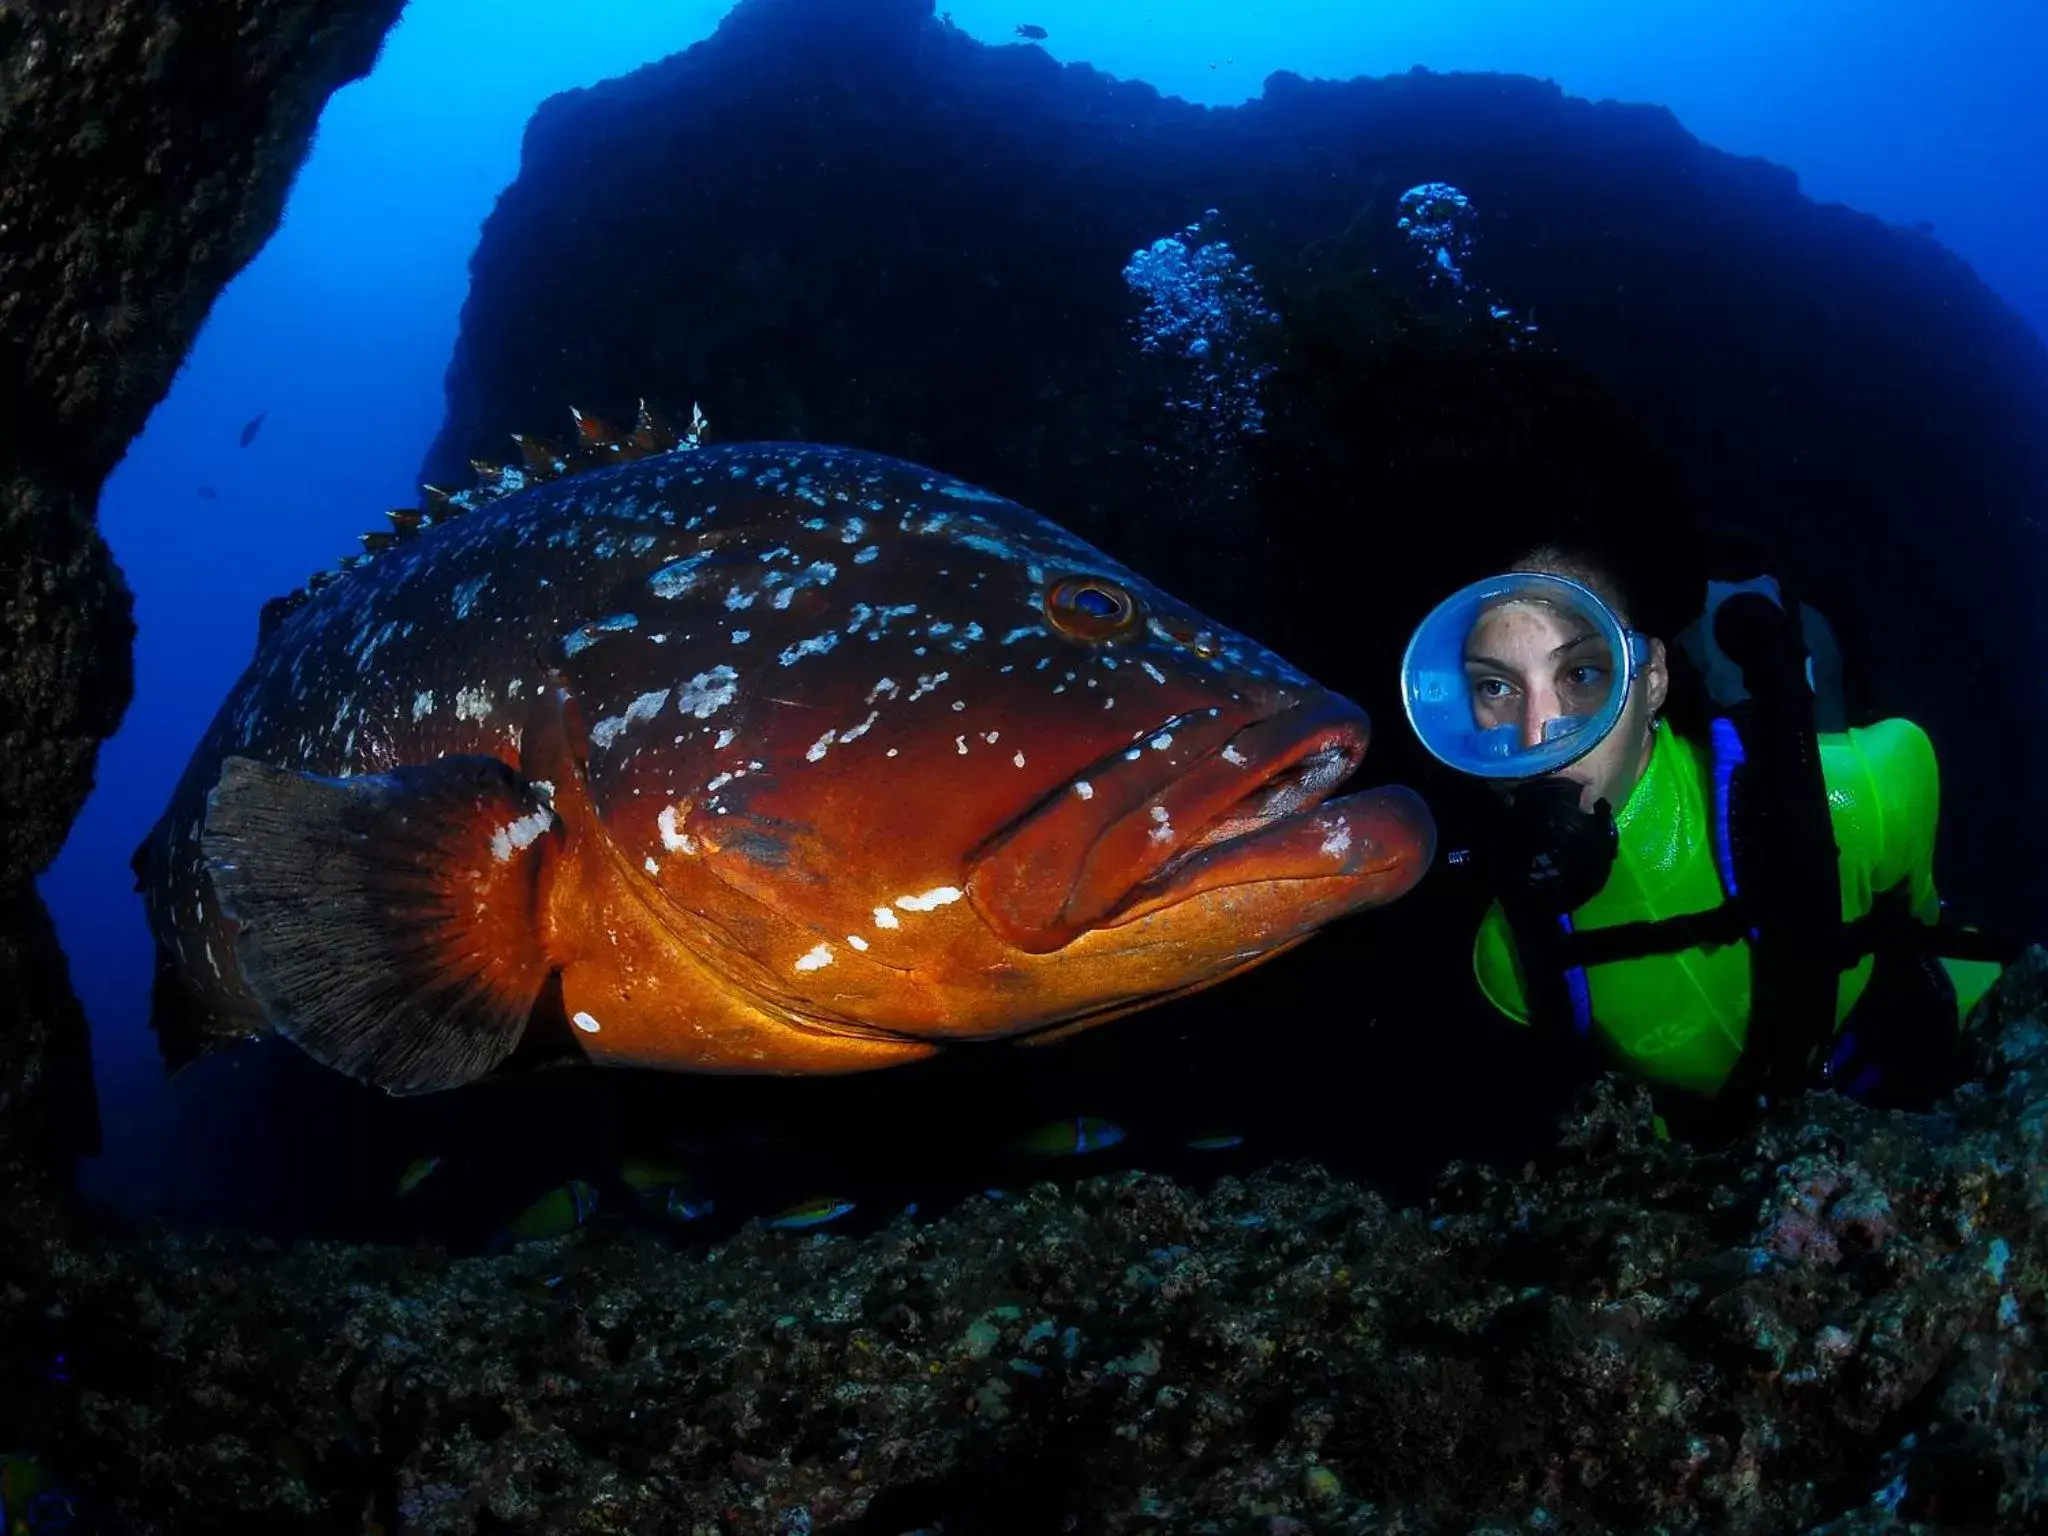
point(1090, 607)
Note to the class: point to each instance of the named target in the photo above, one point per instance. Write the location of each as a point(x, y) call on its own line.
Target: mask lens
point(1516, 676)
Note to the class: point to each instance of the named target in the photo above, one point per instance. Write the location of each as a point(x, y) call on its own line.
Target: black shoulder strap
point(1553, 980)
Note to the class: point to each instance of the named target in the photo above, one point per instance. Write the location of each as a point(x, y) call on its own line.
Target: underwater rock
point(1832, 1318)
point(846, 221)
point(147, 148)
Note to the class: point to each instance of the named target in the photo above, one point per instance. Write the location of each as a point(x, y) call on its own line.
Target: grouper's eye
point(1090, 607)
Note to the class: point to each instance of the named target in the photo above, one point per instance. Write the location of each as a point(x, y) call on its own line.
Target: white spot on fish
point(866, 555)
point(1232, 755)
point(1084, 789)
point(467, 594)
point(1163, 833)
point(817, 645)
point(586, 1023)
point(724, 739)
point(423, 704)
point(650, 866)
point(673, 837)
point(889, 684)
point(856, 941)
point(1162, 741)
point(742, 636)
point(1339, 840)
point(991, 737)
point(815, 959)
point(926, 683)
point(884, 918)
point(937, 896)
point(1153, 672)
point(986, 545)
point(517, 836)
point(646, 707)
point(708, 692)
point(677, 577)
point(961, 743)
point(960, 492)
point(1018, 759)
point(473, 703)
point(820, 747)
point(860, 730)
point(578, 640)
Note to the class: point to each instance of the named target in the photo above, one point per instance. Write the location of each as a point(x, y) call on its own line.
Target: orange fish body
point(752, 758)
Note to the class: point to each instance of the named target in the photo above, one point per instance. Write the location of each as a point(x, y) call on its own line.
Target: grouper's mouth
point(1197, 806)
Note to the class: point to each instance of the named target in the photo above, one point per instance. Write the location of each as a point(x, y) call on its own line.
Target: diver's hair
point(1559, 559)
point(1655, 585)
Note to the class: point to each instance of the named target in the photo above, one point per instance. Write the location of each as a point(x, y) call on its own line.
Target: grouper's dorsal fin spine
point(597, 444)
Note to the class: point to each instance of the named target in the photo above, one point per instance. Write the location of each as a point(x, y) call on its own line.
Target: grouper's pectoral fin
point(387, 923)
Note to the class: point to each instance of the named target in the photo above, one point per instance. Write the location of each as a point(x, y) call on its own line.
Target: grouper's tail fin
point(388, 924)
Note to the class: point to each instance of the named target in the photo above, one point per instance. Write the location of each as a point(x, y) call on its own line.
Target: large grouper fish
point(762, 758)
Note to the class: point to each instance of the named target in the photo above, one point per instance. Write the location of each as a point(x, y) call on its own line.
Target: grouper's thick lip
point(1301, 758)
point(1199, 788)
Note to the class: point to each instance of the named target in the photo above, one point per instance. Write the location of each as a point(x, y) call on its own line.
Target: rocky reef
point(147, 148)
point(1827, 1324)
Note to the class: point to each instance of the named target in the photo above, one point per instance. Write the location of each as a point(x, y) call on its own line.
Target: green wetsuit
point(1680, 1019)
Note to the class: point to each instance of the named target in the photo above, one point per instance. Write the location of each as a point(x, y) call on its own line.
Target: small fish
point(561, 1210)
point(679, 1205)
point(651, 1175)
point(208, 493)
point(808, 1213)
point(765, 758)
point(417, 1172)
point(1075, 1136)
point(252, 427)
point(1214, 1141)
point(1035, 33)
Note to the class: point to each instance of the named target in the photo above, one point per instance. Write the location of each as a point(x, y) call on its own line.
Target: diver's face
point(1535, 667)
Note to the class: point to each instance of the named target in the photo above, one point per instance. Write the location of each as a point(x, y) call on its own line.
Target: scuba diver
point(1732, 911)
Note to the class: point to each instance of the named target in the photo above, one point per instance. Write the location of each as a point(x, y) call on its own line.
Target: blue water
point(342, 327)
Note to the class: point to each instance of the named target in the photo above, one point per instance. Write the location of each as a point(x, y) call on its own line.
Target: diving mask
point(1519, 675)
